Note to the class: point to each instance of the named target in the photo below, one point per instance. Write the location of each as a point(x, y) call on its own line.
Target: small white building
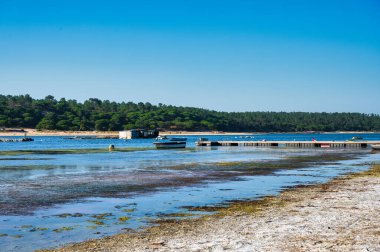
point(129, 134)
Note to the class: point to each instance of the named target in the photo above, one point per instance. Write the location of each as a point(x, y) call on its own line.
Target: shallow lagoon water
point(47, 200)
point(44, 143)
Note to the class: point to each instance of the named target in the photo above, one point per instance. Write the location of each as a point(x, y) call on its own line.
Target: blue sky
point(224, 55)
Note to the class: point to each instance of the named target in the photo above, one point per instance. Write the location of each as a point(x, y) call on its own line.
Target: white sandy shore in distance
point(342, 215)
point(34, 132)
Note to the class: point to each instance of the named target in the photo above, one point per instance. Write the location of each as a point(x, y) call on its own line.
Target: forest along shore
point(341, 215)
point(23, 111)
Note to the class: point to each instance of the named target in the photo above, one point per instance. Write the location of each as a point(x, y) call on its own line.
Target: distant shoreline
point(34, 132)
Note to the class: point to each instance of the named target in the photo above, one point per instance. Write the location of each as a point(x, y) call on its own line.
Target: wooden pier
point(292, 144)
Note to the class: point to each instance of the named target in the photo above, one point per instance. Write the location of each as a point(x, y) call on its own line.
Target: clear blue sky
point(245, 55)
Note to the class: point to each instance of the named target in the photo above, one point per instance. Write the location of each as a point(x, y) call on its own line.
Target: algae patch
point(38, 229)
point(65, 215)
point(130, 210)
point(26, 226)
point(102, 216)
point(59, 230)
point(96, 222)
point(123, 218)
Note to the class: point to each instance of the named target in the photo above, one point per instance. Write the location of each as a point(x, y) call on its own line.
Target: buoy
point(111, 147)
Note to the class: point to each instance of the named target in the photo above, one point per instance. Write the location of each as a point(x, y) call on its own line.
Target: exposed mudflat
point(342, 215)
point(23, 196)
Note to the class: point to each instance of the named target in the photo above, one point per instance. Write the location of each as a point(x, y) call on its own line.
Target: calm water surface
point(47, 200)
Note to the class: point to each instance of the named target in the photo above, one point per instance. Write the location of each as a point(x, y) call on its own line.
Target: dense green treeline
point(94, 114)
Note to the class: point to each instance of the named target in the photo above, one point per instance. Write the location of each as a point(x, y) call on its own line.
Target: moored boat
point(178, 139)
point(356, 138)
point(375, 146)
point(164, 142)
point(170, 144)
point(171, 138)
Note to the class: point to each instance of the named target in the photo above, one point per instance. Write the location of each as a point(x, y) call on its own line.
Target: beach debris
point(157, 245)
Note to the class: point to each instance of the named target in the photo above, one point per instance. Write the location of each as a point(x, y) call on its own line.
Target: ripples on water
point(48, 199)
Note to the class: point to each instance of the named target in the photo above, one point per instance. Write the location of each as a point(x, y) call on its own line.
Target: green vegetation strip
point(51, 114)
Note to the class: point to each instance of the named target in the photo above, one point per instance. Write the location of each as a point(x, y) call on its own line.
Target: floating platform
point(292, 144)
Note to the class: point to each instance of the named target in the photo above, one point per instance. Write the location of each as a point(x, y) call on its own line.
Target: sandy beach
point(342, 215)
point(34, 132)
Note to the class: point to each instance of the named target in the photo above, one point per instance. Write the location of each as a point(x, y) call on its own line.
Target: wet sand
point(342, 215)
point(26, 197)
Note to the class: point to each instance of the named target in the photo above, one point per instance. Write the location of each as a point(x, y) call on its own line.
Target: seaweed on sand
point(59, 230)
point(65, 215)
point(102, 216)
point(123, 218)
point(96, 222)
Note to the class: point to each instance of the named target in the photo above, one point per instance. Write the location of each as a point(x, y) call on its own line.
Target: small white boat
point(375, 146)
point(171, 138)
point(182, 139)
point(169, 143)
point(354, 139)
point(161, 138)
